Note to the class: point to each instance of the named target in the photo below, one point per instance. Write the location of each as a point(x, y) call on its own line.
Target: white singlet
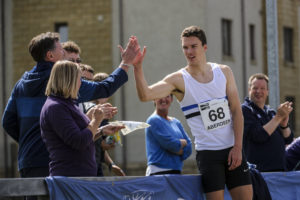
point(206, 109)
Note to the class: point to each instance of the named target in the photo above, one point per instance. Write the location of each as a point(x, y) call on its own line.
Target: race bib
point(215, 114)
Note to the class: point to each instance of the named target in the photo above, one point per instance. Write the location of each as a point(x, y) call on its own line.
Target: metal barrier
point(16, 187)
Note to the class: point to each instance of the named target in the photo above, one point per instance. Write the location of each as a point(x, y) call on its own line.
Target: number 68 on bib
point(215, 114)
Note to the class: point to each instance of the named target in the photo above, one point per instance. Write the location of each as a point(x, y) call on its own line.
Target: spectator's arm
point(286, 130)
point(10, 119)
point(289, 139)
point(163, 136)
point(272, 125)
point(281, 118)
point(64, 126)
point(94, 90)
point(187, 150)
point(112, 166)
point(253, 130)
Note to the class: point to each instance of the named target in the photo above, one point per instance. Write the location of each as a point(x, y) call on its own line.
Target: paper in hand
point(130, 126)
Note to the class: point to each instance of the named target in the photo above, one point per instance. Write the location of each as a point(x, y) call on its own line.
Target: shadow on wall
point(12, 171)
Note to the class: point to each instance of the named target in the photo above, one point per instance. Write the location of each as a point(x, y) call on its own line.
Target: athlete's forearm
point(141, 84)
point(238, 128)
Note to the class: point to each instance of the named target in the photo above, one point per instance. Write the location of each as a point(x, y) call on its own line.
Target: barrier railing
point(16, 187)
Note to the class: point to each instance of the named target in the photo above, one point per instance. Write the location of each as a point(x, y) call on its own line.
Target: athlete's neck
point(202, 74)
point(199, 69)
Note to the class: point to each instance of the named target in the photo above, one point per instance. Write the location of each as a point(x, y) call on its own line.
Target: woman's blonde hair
point(63, 79)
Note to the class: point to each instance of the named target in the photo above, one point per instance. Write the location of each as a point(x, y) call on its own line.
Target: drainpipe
point(3, 82)
point(123, 98)
point(273, 61)
point(244, 59)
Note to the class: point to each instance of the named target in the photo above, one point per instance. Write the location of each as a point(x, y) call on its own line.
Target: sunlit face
point(163, 104)
point(258, 92)
point(57, 53)
point(73, 57)
point(193, 50)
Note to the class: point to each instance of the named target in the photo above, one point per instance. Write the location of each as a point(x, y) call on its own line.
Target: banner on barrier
point(282, 185)
point(144, 188)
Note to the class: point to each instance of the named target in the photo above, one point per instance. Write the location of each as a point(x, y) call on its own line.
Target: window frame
point(226, 35)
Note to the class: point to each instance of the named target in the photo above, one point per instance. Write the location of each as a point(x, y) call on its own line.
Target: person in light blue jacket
point(167, 144)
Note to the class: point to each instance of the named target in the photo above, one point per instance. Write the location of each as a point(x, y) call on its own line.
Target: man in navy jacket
point(266, 132)
point(22, 113)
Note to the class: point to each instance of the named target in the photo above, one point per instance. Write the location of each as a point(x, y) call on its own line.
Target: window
point(226, 37)
point(288, 44)
point(252, 41)
point(292, 119)
point(62, 29)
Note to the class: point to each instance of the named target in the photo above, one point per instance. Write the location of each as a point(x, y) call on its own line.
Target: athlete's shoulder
point(223, 66)
point(174, 76)
point(176, 80)
point(178, 72)
point(225, 69)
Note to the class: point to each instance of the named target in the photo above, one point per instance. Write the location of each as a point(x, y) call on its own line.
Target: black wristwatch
point(284, 127)
point(110, 166)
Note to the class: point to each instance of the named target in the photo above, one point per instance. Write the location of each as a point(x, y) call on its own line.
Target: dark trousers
point(34, 172)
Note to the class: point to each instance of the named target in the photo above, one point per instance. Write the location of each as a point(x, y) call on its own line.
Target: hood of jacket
point(34, 82)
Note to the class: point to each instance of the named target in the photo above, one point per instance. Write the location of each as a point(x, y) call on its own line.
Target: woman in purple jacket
point(69, 134)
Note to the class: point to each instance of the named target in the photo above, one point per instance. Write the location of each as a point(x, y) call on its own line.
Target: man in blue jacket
point(266, 132)
point(22, 113)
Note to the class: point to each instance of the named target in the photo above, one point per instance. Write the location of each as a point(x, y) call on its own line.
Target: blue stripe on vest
point(194, 114)
point(196, 105)
point(189, 107)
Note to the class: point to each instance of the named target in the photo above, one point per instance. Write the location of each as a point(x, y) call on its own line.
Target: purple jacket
point(67, 138)
point(292, 154)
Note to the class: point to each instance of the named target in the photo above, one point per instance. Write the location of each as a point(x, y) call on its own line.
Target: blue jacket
point(162, 141)
point(265, 151)
point(21, 118)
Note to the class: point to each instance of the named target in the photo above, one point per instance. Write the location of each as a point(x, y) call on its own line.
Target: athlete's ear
point(205, 47)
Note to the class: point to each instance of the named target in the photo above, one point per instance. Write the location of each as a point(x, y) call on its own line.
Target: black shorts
point(213, 167)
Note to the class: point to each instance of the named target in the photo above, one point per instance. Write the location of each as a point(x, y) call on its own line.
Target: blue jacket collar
point(251, 104)
point(42, 66)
